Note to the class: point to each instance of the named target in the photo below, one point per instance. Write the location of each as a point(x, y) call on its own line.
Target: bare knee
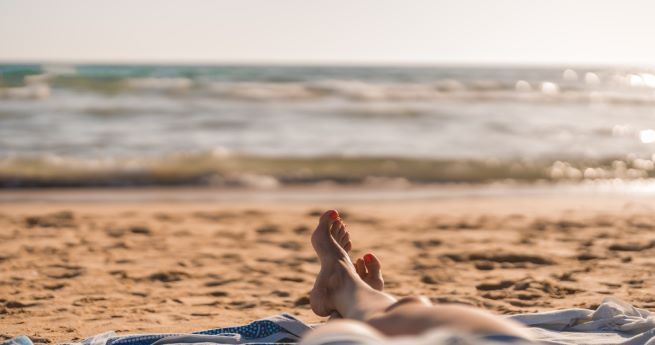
point(402, 319)
point(414, 300)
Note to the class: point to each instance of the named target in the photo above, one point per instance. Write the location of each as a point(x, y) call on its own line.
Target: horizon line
point(325, 63)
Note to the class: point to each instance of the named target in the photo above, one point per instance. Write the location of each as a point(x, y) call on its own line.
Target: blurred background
point(263, 94)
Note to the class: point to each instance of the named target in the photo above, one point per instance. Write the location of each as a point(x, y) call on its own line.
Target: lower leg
point(338, 286)
point(357, 300)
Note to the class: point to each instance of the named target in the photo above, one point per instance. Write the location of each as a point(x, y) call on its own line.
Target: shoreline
point(328, 193)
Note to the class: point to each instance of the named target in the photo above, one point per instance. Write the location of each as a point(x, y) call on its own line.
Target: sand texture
point(69, 270)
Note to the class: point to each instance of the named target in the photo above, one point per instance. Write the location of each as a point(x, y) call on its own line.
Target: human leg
point(339, 287)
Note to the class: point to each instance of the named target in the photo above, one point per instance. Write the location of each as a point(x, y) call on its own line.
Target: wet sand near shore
point(72, 268)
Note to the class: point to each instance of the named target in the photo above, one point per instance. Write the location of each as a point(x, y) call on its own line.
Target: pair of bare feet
point(354, 291)
point(331, 241)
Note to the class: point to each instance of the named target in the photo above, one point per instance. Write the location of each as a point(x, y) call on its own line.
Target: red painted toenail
point(368, 257)
point(334, 215)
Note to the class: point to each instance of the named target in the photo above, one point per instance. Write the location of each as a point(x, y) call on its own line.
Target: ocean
point(268, 126)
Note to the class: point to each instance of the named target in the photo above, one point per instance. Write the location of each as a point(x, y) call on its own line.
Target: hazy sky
point(330, 31)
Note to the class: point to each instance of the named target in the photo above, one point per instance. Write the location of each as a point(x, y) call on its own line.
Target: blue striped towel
point(278, 329)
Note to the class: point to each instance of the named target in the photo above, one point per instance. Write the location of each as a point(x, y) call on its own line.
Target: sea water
point(70, 125)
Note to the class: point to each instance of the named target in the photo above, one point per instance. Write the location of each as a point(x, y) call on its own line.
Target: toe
point(372, 264)
point(334, 229)
point(329, 216)
point(348, 246)
point(345, 238)
point(360, 268)
point(341, 233)
point(337, 224)
point(323, 238)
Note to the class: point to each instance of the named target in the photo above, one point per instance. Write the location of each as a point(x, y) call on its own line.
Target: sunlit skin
point(354, 291)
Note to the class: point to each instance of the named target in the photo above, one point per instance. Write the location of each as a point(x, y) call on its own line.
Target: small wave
point(445, 90)
point(160, 84)
point(261, 91)
point(246, 171)
point(365, 85)
point(31, 91)
point(59, 69)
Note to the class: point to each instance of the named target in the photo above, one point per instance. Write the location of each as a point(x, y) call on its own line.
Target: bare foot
point(369, 269)
point(336, 267)
point(341, 235)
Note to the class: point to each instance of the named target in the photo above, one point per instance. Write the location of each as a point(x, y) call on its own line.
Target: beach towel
point(614, 322)
point(278, 329)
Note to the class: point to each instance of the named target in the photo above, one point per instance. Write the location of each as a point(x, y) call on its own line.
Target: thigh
point(344, 332)
point(416, 318)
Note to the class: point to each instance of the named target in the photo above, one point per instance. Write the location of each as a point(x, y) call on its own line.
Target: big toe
point(326, 224)
point(373, 265)
point(329, 216)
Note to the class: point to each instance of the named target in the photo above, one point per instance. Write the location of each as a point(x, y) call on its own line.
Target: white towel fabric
point(614, 322)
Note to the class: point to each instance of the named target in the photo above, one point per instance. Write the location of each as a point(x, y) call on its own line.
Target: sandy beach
point(71, 268)
point(163, 166)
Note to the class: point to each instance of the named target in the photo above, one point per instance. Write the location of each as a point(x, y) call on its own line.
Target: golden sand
point(69, 270)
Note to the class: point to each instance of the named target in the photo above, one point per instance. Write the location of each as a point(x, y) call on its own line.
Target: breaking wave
point(221, 169)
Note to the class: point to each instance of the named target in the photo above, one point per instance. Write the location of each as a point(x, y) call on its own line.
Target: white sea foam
point(31, 91)
point(160, 84)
